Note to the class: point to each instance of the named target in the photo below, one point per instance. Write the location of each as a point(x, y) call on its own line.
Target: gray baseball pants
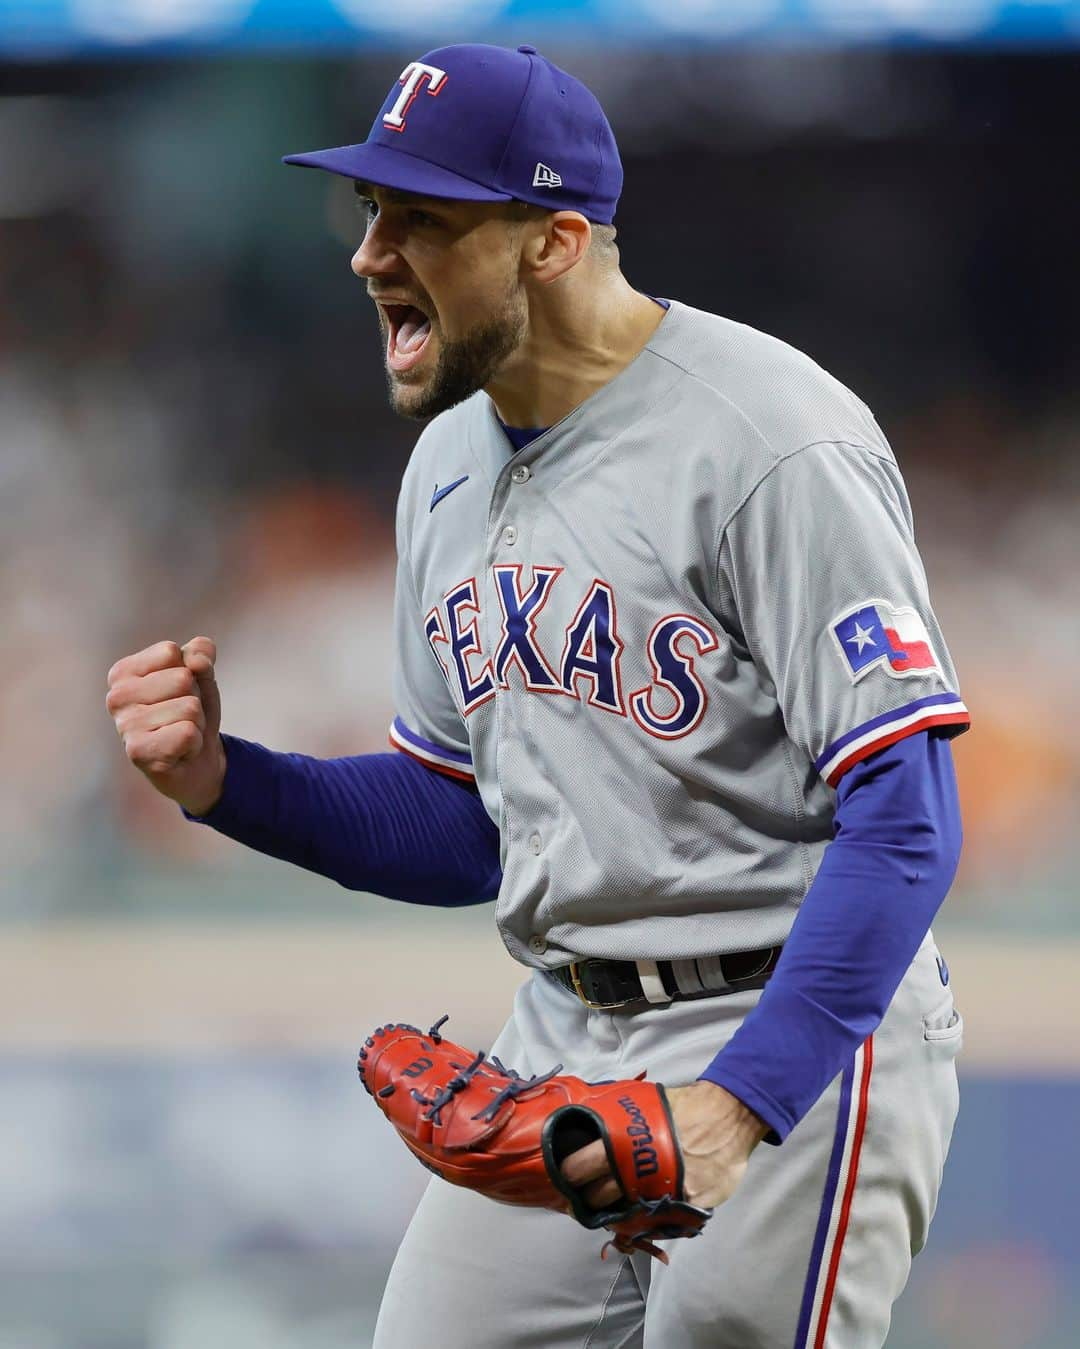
point(810, 1252)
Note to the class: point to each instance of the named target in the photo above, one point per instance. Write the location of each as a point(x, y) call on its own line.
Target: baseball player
point(670, 692)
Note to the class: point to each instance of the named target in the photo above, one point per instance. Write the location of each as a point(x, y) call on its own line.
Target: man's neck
point(580, 337)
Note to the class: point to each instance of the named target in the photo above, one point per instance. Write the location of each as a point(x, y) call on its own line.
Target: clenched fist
point(167, 711)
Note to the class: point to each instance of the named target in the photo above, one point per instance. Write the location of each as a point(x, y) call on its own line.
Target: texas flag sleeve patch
point(875, 635)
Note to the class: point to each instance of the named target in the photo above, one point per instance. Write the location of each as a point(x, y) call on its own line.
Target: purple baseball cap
point(479, 123)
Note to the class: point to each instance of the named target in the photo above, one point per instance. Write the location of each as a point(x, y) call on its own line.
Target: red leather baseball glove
point(478, 1124)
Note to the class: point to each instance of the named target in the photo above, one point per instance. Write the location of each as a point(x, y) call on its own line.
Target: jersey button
point(509, 535)
point(520, 474)
point(537, 945)
point(535, 844)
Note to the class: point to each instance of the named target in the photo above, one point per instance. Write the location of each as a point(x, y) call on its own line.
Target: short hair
point(603, 242)
point(602, 245)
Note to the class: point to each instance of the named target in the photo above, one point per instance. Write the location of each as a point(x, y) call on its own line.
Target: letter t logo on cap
point(411, 78)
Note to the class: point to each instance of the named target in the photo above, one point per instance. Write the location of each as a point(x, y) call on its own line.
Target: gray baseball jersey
point(657, 637)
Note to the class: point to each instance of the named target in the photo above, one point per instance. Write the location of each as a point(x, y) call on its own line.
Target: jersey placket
point(511, 523)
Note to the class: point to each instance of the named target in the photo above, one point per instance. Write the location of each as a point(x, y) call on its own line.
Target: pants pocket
point(944, 1025)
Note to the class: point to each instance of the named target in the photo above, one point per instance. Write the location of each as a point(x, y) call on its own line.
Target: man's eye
point(422, 218)
point(367, 208)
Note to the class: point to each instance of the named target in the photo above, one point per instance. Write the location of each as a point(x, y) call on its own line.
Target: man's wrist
point(706, 1109)
point(746, 1124)
point(197, 808)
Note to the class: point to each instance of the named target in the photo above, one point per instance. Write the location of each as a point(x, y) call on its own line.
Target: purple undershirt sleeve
point(881, 881)
point(382, 823)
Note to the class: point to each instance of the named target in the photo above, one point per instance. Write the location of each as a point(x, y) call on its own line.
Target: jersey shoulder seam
point(791, 454)
point(690, 374)
point(726, 524)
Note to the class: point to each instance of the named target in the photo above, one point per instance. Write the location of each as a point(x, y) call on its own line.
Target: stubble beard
point(464, 364)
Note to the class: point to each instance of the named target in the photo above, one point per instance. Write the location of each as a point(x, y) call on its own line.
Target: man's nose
point(374, 257)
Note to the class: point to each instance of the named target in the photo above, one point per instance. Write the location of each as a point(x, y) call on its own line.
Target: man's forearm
point(879, 885)
point(376, 822)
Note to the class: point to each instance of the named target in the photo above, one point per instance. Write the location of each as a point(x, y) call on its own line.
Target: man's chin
point(423, 395)
point(411, 395)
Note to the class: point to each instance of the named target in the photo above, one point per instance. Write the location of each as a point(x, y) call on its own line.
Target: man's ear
point(559, 244)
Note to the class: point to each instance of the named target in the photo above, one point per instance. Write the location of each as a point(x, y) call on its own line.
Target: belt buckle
point(579, 989)
point(575, 979)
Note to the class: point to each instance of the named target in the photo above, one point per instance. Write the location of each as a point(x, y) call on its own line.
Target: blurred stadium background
point(194, 438)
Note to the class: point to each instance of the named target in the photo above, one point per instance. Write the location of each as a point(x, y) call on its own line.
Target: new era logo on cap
point(545, 177)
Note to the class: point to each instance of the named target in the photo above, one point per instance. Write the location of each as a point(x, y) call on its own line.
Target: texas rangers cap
point(479, 123)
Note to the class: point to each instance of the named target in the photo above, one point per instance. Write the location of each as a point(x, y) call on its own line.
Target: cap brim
point(384, 166)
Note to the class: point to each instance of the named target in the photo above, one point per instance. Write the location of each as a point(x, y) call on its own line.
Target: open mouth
point(410, 329)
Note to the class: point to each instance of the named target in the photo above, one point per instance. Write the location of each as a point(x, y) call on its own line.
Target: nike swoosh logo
point(441, 492)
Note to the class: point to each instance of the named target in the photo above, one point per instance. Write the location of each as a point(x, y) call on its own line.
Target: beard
point(464, 364)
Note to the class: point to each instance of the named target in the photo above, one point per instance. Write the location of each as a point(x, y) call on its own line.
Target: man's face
point(444, 275)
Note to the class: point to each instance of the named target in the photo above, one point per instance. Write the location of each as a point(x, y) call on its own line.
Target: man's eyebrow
point(366, 191)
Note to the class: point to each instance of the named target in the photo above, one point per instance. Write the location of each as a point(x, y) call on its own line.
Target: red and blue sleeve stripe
point(452, 762)
point(946, 710)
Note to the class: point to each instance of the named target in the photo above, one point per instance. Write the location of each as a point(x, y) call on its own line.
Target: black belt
point(607, 984)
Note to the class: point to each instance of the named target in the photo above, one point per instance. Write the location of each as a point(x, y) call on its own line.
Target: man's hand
point(716, 1133)
point(165, 703)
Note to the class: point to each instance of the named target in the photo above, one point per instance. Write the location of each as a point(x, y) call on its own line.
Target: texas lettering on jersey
point(589, 665)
